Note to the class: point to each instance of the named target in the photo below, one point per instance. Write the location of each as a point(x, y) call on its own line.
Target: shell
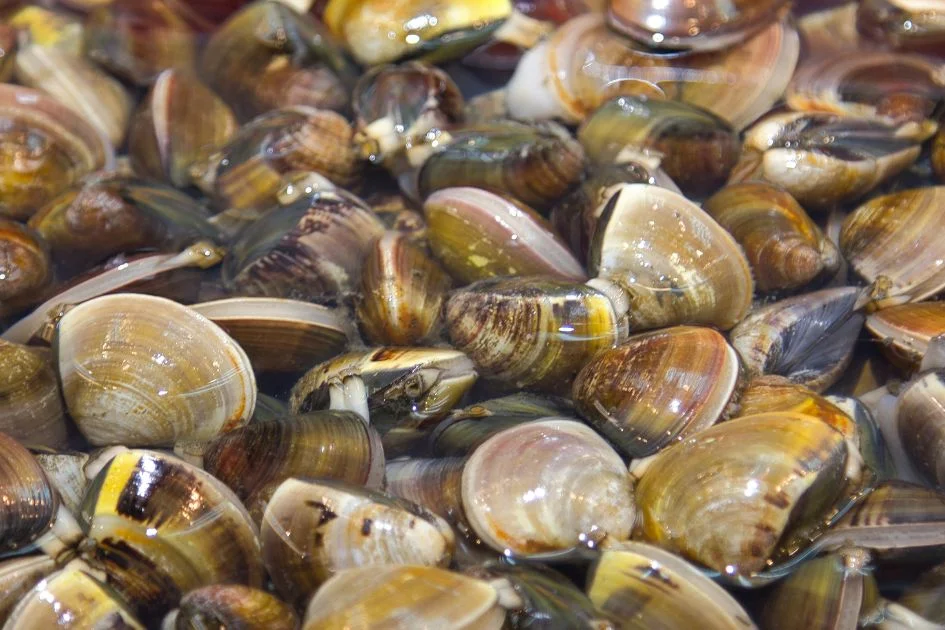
point(784, 246)
point(808, 338)
point(697, 372)
point(436, 484)
point(547, 486)
point(938, 155)
point(18, 576)
point(921, 422)
point(531, 333)
point(30, 405)
point(233, 606)
point(181, 122)
point(892, 242)
point(478, 235)
point(49, 28)
point(676, 263)
point(30, 502)
point(25, 266)
point(66, 473)
point(906, 330)
point(725, 497)
point(902, 24)
point(696, 148)
point(433, 598)
point(121, 360)
point(279, 335)
point(629, 582)
point(402, 292)
point(160, 528)
point(924, 596)
point(253, 460)
point(768, 394)
point(313, 530)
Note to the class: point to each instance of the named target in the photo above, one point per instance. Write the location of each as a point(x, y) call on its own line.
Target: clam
point(767, 394)
point(548, 485)
point(925, 596)
point(808, 338)
point(390, 386)
point(531, 333)
point(584, 63)
point(902, 24)
point(906, 331)
point(18, 576)
point(253, 460)
point(26, 266)
point(696, 148)
point(279, 335)
point(142, 370)
point(66, 473)
point(643, 586)
point(48, 27)
point(675, 262)
point(31, 409)
point(308, 249)
point(938, 155)
point(376, 31)
point(870, 439)
point(477, 234)
point(430, 598)
point(891, 241)
point(436, 484)
point(231, 606)
point(314, 529)
point(160, 528)
point(180, 123)
point(112, 213)
point(823, 159)
point(532, 164)
point(46, 147)
point(677, 25)
point(402, 292)
point(268, 56)
point(73, 597)
point(921, 421)
point(697, 373)
point(785, 247)
point(30, 503)
point(728, 496)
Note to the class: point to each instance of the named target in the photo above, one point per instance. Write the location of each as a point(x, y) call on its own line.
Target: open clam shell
point(142, 370)
point(905, 331)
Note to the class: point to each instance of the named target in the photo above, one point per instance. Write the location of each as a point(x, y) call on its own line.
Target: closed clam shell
point(48, 27)
point(921, 422)
point(725, 497)
point(676, 263)
point(902, 24)
point(767, 394)
point(30, 502)
point(643, 587)
point(906, 330)
point(233, 606)
point(73, 598)
point(531, 333)
point(26, 266)
point(141, 370)
point(160, 528)
point(66, 472)
point(892, 241)
point(696, 148)
point(431, 598)
point(436, 484)
point(180, 123)
point(616, 391)
point(477, 234)
point(784, 246)
point(279, 335)
point(30, 404)
point(18, 576)
point(253, 460)
point(544, 486)
point(402, 292)
point(808, 338)
point(314, 529)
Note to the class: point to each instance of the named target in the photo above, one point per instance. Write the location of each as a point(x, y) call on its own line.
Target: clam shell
point(546, 486)
point(66, 473)
point(697, 373)
point(30, 502)
point(906, 330)
point(30, 404)
point(477, 235)
point(530, 333)
point(938, 155)
point(925, 595)
point(436, 484)
point(18, 576)
point(892, 241)
point(921, 422)
point(25, 266)
point(784, 246)
point(655, 245)
point(234, 606)
point(902, 24)
point(47, 27)
point(279, 335)
point(725, 497)
point(121, 363)
point(313, 530)
point(767, 394)
point(253, 460)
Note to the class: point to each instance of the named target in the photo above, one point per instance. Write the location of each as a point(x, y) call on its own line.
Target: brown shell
point(766, 394)
point(921, 421)
point(30, 502)
point(905, 331)
point(25, 266)
point(31, 408)
point(233, 606)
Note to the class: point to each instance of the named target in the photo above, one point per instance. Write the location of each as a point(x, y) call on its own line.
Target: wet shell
point(766, 394)
point(785, 247)
point(697, 373)
point(18, 576)
point(725, 497)
point(255, 459)
point(938, 155)
point(66, 472)
point(531, 333)
point(808, 338)
point(402, 292)
point(29, 501)
point(433, 598)
point(31, 408)
point(162, 527)
point(892, 241)
point(924, 596)
point(121, 360)
point(547, 486)
point(233, 606)
point(313, 530)
point(675, 262)
point(921, 421)
point(477, 235)
point(902, 24)
point(906, 330)
point(25, 266)
point(436, 484)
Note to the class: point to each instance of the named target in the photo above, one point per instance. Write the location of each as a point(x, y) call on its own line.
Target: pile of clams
point(479, 314)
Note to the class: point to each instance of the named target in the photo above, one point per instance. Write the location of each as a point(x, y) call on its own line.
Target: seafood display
point(478, 314)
